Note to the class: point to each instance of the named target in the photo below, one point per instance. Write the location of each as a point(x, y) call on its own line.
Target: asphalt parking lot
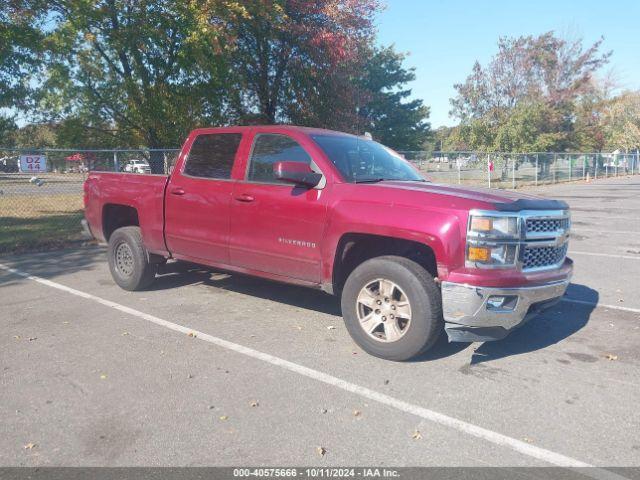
point(211, 369)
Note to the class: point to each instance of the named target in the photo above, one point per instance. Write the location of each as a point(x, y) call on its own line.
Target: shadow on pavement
point(50, 264)
point(177, 274)
point(550, 327)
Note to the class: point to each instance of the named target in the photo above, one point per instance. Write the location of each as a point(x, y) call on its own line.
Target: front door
point(277, 227)
point(198, 199)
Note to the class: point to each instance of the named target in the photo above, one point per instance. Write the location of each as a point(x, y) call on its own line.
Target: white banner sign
point(33, 163)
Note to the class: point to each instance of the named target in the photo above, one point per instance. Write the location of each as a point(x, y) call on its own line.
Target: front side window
point(212, 155)
point(269, 149)
point(361, 160)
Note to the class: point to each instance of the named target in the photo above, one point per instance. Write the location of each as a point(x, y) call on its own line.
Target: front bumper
point(472, 313)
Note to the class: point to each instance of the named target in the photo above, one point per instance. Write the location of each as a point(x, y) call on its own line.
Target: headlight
point(486, 226)
point(492, 240)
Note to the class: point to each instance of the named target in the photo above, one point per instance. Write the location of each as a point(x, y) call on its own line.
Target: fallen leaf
point(17, 337)
point(611, 356)
point(254, 403)
point(65, 323)
point(416, 435)
point(321, 451)
point(103, 376)
point(125, 333)
point(30, 446)
point(224, 417)
point(357, 413)
point(331, 327)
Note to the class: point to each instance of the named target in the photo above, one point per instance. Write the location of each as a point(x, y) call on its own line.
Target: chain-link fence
point(41, 190)
point(509, 170)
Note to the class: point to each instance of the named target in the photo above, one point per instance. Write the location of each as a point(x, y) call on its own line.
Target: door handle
point(177, 191)
point(245, 198)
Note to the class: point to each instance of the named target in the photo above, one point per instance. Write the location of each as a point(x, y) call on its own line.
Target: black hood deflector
point(531, 204)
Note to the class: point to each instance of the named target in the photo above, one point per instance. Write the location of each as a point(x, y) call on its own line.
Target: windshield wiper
point(370, 180)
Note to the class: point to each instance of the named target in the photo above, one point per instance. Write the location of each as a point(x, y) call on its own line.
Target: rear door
point(198, 198)
point(277, 227)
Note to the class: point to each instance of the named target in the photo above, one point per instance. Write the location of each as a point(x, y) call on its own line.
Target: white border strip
point(496, 438)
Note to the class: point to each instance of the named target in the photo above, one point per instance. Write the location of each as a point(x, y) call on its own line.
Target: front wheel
point(129, 260)
point(392, 308)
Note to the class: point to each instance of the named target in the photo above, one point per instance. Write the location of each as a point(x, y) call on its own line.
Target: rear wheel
point(392, 308)
point(129, 260)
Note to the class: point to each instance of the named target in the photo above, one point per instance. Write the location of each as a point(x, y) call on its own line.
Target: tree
point(288, 57)
point(145, 72)
point(20, 38)
point(621, 118)
point(549, 75)
point(387, 113)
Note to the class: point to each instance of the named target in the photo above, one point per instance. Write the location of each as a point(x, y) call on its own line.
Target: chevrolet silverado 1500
point(347, 215)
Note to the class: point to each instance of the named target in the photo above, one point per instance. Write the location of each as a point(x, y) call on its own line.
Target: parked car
point(9, 164)
point(327, 210)
point(137, 166)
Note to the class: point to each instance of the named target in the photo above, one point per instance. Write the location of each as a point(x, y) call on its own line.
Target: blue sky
point(445, 38)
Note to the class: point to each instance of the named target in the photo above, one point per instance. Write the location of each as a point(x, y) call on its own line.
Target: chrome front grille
point(543, 257)
point(540, 225)
point(546, 236)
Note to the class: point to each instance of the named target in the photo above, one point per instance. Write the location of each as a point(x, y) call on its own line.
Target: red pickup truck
point(347, 215)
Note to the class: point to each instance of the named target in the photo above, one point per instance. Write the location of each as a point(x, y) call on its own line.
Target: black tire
point(129, 260)
point(425, 302)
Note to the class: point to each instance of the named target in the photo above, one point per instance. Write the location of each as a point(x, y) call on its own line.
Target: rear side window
point(212, 155)
point(269, 149)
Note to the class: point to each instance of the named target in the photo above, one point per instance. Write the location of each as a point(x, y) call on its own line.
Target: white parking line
point(606, 231)
point(425, 413)
point(611, 255)
point(601, 305)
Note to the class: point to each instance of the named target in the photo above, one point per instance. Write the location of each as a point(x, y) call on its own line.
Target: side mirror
point(296, 172)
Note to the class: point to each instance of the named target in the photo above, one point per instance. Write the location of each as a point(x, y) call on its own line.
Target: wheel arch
point(115, 215)
point(354, 248)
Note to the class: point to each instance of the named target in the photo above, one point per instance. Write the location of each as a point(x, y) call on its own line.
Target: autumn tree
point(288, 56)
point(621, 122)
point(545, 75)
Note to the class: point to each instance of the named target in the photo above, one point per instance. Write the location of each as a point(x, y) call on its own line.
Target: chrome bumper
point(475, 314)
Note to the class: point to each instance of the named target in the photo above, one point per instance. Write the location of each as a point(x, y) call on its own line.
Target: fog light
point(479, 254)
point(502, 302)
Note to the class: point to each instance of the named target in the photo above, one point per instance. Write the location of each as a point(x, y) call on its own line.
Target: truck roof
point(307, 130)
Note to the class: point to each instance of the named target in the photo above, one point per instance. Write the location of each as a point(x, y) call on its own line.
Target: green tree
point(621, 119)
point(543, 75)
point(387, 113)
point(145, 72)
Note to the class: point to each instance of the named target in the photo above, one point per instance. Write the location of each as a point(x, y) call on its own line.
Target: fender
point(438, 230)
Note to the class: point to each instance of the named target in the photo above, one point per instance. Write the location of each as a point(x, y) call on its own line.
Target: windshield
point(361, 160)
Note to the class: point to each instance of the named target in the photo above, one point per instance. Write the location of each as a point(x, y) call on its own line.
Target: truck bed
point(143, 192)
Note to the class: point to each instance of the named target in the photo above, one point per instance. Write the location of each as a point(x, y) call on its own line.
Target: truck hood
point(503, 200)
